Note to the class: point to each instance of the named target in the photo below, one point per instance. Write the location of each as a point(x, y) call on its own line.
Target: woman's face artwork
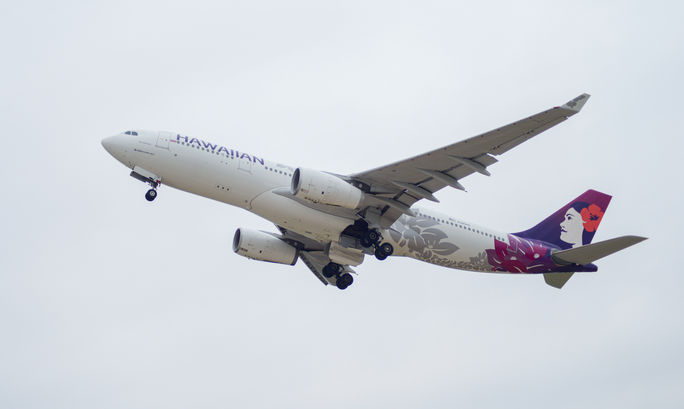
point(572, 228)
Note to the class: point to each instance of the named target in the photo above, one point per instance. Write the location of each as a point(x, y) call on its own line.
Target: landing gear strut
point(149, 178)
point(151, 195)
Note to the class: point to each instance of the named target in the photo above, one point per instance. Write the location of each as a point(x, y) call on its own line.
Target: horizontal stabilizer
point(557, 280)
point(592, 252)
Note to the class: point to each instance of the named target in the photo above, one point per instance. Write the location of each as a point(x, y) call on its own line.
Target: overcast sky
point(108, 301)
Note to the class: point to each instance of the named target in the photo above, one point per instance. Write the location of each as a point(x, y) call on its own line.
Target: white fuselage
point(244, 180)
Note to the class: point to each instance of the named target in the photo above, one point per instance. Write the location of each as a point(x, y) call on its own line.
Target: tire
point(329, 271)
point(372, 236)
point(379, 254)
point(151, 195)
point(344, 281)
point(387, 248)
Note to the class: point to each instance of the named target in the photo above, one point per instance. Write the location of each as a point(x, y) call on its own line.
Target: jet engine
point(259, 245)
point(319, 187)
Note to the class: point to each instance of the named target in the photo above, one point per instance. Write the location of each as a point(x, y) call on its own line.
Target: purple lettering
point(255, 160)
point(223, 148)
point(195, 140)
point(178, 138)
point(244, 155)
point(209, 145)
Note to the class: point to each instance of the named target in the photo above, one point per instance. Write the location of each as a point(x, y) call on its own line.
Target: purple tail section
point(574, 224)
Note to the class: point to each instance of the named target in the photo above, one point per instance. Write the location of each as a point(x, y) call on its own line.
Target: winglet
point(576, 103)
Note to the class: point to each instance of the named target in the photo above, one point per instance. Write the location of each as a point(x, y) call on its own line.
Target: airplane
point(331, 221)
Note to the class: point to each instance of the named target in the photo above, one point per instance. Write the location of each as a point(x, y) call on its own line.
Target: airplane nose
point(115, 146)
point(108, 144)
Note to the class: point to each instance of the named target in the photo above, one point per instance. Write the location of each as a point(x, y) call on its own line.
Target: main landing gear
point(371, 238)
point(342, 279)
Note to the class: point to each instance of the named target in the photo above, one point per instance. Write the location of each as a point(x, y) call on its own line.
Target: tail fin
point(574, 224)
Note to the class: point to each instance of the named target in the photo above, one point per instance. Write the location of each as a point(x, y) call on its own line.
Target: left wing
point(397, 186)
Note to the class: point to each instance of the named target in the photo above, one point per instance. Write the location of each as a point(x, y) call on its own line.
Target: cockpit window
point(131, 133)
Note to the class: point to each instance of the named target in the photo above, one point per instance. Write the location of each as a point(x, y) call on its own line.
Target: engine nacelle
point(263, 246)
point(319, 187)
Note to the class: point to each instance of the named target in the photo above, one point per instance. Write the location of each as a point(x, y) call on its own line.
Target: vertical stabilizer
point(574, 224)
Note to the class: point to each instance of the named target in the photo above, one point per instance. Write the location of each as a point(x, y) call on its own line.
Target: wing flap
point(315, 260)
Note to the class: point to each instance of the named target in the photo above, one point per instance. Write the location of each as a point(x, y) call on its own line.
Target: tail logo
point(591, 216)
point(580, 223)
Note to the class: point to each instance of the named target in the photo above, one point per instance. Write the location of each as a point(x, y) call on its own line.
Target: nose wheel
point(151, 195)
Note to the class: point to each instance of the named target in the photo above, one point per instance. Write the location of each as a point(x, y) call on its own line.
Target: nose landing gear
point(151, 195)
point(149, 178)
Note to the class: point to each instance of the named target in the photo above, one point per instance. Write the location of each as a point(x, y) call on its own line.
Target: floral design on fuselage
point(520, 256)
point(421, 236)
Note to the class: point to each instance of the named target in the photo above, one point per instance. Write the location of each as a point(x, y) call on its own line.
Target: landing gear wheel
point(344, 281)
point(379, 254)
point(151, 195)
point(331, 269)
point(383, 251)
point(372, 236)
point(387, 248)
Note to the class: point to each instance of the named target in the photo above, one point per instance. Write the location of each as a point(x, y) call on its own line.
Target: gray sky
point(108, 301)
